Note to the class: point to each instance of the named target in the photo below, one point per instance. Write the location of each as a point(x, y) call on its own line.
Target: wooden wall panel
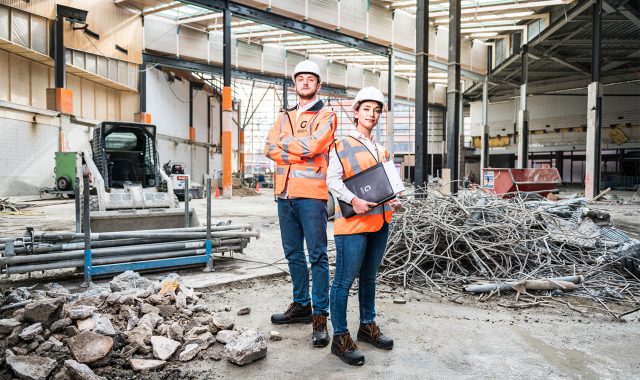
point(111, 104)
point(19, 80)
point(88, 99)
point(129, 105)
point(45, 8)
point(101, 103)
point(74, 84)
point(4, 75)
point(39, 83)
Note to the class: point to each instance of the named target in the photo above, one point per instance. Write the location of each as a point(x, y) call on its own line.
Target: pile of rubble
point(135, 324)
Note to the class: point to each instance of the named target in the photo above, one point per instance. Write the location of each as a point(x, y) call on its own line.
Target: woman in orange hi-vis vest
point(361, 239)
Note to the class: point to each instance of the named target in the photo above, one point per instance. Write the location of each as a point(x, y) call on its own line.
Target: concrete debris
point(104, 326)
point(176, 332)
point(204, 340)
point(163, 347)
point(166, 311)
point(79, 371)
point(7, 325)
point(60, 324)
point(53, 289)
point(44, 311)
point(198, 330)
point(150, 320)
point(247, 348)
point(129, 280)
point(71, 331)
point(145, 308)
point(81, 312)
point(244, 311)
point(86, 324)
point(223, 322)
point(89, 347)
point(275, 336)
point(190, 351)
point(31, 331)
point(226, 336)
point(146, 365)
point(31, 367)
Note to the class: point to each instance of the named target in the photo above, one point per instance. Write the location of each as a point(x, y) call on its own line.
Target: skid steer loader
point(131, 191)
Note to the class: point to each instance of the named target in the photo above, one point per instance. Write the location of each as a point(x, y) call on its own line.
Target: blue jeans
point(305, 220)
point(356, 255)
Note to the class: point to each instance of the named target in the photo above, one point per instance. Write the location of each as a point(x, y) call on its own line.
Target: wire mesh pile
point(443, 242)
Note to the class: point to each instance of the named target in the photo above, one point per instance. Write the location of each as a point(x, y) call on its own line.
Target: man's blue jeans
point(305, 220)
point(356, 255)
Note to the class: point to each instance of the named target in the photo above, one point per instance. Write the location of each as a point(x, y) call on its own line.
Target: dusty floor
point(434, 338)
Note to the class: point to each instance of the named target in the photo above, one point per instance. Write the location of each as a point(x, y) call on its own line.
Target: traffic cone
point(258, 187)
point(217, 194)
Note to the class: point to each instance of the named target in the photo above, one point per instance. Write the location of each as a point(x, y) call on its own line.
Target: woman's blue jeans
point(305, 220)
point(356, 255)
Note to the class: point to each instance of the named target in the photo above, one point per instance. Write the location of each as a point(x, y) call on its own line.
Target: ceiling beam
point(504, 7)
point(167, 7)
point(629, 12)
point(208, 16)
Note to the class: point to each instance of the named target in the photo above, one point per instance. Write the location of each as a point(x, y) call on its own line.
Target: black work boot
point(320, 334)
point(345, 348)
point(296, 313)
point(370, 333)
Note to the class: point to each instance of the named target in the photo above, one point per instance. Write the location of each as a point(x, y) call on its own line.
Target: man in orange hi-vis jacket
point(299, 143)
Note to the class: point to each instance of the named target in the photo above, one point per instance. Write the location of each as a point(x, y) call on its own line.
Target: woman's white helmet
point(369, 93)
point(307, 67)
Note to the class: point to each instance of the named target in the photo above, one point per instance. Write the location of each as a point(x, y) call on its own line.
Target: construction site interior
point(140, 232)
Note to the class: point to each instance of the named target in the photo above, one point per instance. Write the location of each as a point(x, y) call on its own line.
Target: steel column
point(422, 94)
point(594, 109)
point(86, 225)
point(484, 143)
point(227, 107)
point(285, 93)
point(58, 46)
point(391, 93)
point(523, 113)
point(453, 95)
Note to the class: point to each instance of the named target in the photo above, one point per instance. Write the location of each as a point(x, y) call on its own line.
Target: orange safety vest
point(301, 156)
point(355, 157)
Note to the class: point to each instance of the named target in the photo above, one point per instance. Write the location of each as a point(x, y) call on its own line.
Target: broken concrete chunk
point(86, 324)
point(43, 311)
point(166, 311)
point(223, 322)
point(181, 300)
point(198, 330)
point(89, 347)
point(275, 336)
point(7, 325)
point(81, 312)
point(163, 347)
point(146, 365)
point(204, 340)
point(104, 326)
point(246, 348)
point(129, 280)
point(79, 371)
point(190, 351)
point(226, 336)
point(31, 367)
point(176, 332)
point(60, 324)
point(31, 331)
point(145, 308)
point(150, 320)
point(44, 347)
point(244, 311)
point(71, 331)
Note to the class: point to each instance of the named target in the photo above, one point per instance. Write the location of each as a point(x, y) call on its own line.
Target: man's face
point(307, 85)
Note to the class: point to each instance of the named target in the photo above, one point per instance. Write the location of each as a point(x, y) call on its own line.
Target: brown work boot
point(370, 333)
point(296, 313)
point(320, 334)
point(346, 349)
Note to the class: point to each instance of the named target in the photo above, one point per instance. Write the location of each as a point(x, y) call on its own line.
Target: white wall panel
point(355, 73)
point(19, 80)
point(4, 75)
point(159, 35)
point(193, 43)
point(39, 84)
point(273, 59)
point(169, 105)
point(250, 55)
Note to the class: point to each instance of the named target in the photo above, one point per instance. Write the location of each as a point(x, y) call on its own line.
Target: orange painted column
point(227, 141)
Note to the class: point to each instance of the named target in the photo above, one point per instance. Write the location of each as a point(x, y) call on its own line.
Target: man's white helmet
point(307, 67)
point(369, 93)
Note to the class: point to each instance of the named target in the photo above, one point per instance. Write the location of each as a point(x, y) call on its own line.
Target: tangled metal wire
point(443, 243)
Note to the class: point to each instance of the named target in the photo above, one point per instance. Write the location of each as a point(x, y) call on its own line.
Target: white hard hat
point(307, 67)
point(369, 93)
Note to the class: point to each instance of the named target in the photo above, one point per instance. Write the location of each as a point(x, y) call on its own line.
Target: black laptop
point(371, 184)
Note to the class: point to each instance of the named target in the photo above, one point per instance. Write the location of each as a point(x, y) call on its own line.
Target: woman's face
point(368, 114)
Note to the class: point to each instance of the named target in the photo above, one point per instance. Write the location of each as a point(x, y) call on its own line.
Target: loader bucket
point(146, 219)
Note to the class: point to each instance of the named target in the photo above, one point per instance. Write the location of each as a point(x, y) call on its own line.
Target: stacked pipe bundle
point(444, 242)
point(58, 250)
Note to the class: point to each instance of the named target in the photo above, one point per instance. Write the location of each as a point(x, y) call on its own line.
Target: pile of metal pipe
point(41, 251)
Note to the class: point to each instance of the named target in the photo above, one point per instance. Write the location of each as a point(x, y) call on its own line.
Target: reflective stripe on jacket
point(299, 147)
point(355, 157)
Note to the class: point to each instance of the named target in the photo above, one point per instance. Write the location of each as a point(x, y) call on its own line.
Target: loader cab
point(125, 153)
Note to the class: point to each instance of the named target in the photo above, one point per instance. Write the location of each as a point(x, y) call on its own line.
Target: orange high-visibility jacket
point(299, 147)
point(355, 157)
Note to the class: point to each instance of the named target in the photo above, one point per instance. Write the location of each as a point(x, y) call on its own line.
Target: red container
point(509, 180)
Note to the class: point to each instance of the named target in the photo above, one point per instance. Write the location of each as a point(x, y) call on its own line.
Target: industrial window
point(103, 67)
point(39, 34)
point(90, 63)
point(113, 70)
point(20, 28)
point(78, 59)
point(4, 22)
point(500, 51)
point(121, 141)
point(122, 72)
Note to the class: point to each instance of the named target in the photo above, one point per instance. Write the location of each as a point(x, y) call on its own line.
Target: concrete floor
point(434, 338)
